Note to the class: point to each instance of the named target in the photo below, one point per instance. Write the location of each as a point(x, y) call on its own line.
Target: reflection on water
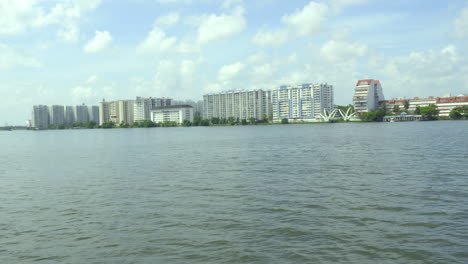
point(322, 193)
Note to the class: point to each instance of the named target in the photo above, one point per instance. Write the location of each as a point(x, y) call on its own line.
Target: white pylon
point(327, 117)
point(348, 115)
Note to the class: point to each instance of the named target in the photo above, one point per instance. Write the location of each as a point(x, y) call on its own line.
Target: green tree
point(265, 119)
point(231, 121)
point(252, 121)
point(396, 109)
point(215, 120)
point(244, 122)
point(61, 126)
point(406, 105)
point(284, 121)
point(108, 124)
point(205, 122)
point(186, 123)
point(456, 113)
point(430, 112)
point(417, 111)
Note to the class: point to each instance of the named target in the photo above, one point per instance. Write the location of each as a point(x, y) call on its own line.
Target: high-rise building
point(302, 102)
point(238, 104)
point(56, 114)
point(69, 114)
point(93, 113)
point(116, 111)
point(40, 116)
point(173, 113)
point(81, 113)
point(143, 106)
point(197, 105)
point(367, 95)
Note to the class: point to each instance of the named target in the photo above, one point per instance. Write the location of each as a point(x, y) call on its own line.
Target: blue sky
point(80, 51)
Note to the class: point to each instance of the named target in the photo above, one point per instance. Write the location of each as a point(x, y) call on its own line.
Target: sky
point(71, 52)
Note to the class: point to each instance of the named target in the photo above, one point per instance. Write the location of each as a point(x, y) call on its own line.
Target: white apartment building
point(116, 111)
point(302, 102)
point(56, 114)
point(143, 106)
point(93, 113)
point(238, 104)
point(173, 113)
point(367, 95)
point(40, 116)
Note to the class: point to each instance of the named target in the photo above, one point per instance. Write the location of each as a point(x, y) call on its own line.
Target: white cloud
point(342, 51)
point(338, 5)
point(92, 79)
point(424, 73)
point(232, 3)
point(168, 19)
point(69, 34)
point(10, 58)
point(461, 24)
point(217, 27)
point(273, 38)
point(156, 42)
point(16, 16)
point(231, 71)
point(308, 20)
point(101, 41)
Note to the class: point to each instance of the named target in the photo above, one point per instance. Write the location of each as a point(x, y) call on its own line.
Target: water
point(322, 193)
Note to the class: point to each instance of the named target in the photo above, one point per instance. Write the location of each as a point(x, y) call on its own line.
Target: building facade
point(367, 95)
point(40, 116)
point(143, 106)
point(174, 113)
point(302, 102)
point(238, 104)
point(116, 111)
point(56, 115)
point(444, 104)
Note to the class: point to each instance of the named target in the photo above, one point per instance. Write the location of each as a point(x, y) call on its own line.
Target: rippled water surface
point(321, 193)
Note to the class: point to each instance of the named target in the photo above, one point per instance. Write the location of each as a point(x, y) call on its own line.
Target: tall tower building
point(367, 95)
point(302, 102)
point(69, 114)
point(56, 115)
point(40, 116)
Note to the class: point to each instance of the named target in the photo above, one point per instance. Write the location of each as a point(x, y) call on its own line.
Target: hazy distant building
point(302, 102)
point(143, 106)
point(238, 104)
point(367, 95)
point(69, 114)
point(56, 114)
point(93, 113)
point(197, 105)
point(116, 111)
point(40, 116)
point(173, 113)
point(81, 113)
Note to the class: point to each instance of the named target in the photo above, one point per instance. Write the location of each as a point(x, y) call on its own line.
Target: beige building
point(173, 113)
point(238, 104)
point(116, 111)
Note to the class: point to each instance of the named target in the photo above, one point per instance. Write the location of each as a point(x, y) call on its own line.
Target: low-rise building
point(173, 113)
point(444, 104)
point(143, 106)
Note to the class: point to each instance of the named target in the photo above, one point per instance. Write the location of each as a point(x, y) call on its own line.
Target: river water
point(318, 193)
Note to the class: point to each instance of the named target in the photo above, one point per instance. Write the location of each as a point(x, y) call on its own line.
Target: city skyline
point(72, 52)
